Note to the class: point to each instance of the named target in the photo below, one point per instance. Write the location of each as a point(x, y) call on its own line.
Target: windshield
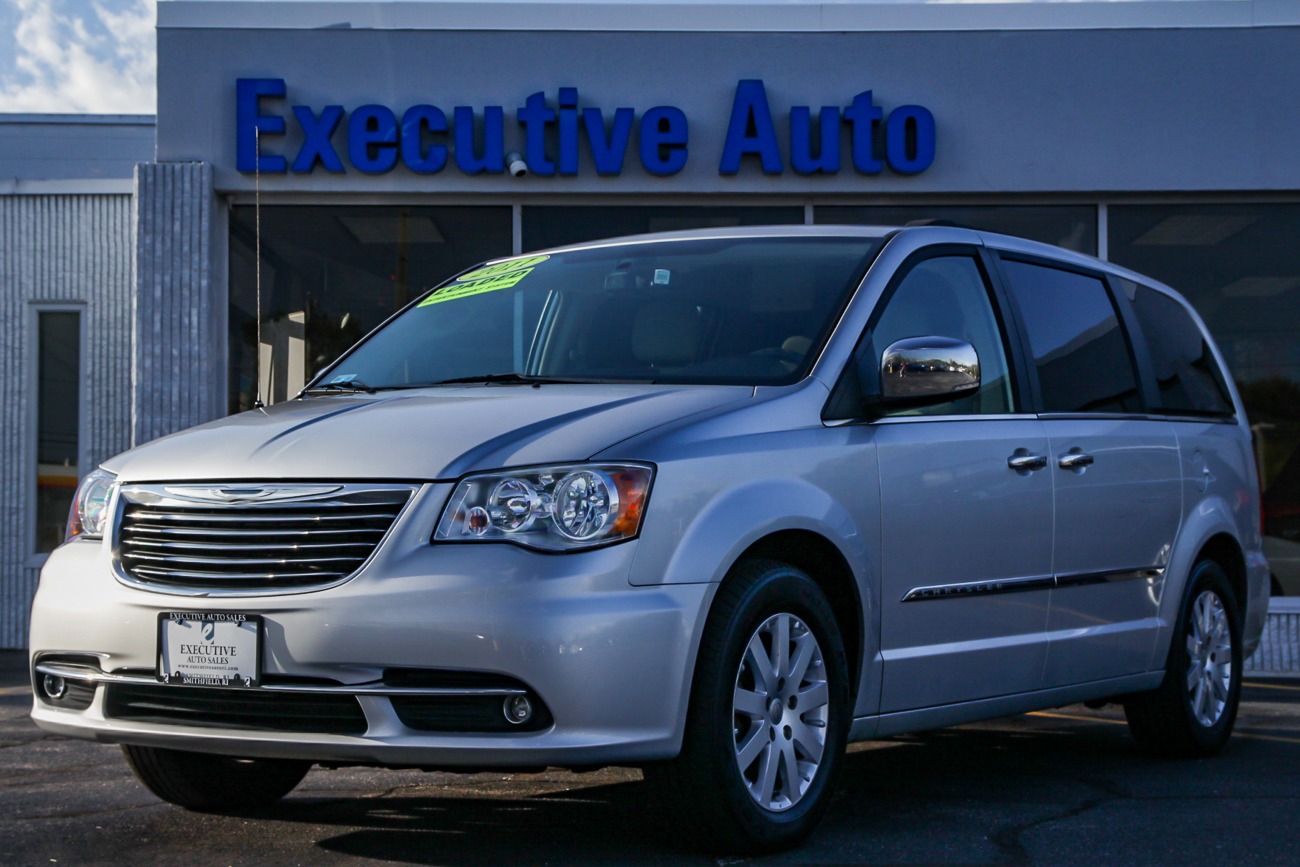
point(749, 311)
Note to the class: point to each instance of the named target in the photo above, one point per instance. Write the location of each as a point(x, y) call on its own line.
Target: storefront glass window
point(332, 273)
point(1239, 266)
point(58, 422)
point(1073, 227)
point(553, 226)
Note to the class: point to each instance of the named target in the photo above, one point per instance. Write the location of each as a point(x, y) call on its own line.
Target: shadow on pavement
point(606, 823)
point(906, 787)
point(971, 794)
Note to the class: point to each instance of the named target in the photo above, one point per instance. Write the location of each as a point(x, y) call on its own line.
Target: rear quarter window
point(1188, 378)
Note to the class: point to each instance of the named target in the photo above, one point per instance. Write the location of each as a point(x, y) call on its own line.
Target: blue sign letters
point(418, 120)
point(551, 133)
point(250, 124)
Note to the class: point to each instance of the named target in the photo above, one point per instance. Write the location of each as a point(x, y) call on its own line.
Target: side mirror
point(921, 370)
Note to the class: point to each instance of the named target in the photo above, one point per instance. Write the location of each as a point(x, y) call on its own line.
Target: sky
point(92, 56)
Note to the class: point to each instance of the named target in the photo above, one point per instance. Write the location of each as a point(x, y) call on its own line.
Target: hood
point(424, 434)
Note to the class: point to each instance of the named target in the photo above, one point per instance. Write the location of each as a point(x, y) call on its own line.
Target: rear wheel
point(198, 781)
point(769, 711)
point(1193, 711)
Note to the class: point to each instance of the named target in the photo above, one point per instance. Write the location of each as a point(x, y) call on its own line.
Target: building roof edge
point(738, 16)
point(67, 118)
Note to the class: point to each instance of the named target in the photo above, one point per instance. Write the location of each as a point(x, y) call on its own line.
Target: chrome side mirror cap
point(921, 370)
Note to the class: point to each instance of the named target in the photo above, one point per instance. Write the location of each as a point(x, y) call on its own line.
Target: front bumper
point(610, 661)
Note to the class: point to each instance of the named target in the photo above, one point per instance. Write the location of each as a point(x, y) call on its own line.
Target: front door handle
point(1023, 461)
point(1074, 461)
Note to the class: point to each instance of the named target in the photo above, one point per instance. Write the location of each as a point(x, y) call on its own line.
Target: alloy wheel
point(1209, 651)
point(780, 712)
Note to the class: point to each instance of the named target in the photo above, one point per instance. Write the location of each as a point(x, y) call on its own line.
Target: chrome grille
point(249, 537)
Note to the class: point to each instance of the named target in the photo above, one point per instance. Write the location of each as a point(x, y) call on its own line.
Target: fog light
point(518, 709)
point(55, 687)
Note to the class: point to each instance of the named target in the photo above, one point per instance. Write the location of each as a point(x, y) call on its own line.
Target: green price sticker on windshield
point(490, 278)
point(505, 267)
point(477, 287)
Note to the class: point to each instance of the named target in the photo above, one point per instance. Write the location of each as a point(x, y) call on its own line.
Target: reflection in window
point(58, 420)
point(553, 226)
point(1239, 267)
point(1073, 227)
point(1079, 351)
point(330, 274)
point(743, 311)
point(1188, 380)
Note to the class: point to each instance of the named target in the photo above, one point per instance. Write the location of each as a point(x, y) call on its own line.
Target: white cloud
point(75, 56)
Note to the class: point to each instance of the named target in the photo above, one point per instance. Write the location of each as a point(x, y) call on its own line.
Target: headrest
point(798, 344)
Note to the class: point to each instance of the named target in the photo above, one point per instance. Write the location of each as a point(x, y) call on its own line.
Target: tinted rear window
point(1189, 379)
point(1078, 347)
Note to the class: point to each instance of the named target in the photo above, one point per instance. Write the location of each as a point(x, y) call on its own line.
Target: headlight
point(89, 515)
point(562, 508)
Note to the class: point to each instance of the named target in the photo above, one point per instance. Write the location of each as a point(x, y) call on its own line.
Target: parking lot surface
point(1062, 787)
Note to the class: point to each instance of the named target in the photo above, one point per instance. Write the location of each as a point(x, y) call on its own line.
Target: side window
point(1078, 347)
point(1189, 380)
point(946, 297)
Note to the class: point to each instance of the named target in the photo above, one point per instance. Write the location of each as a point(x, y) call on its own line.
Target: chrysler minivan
point(712, 503)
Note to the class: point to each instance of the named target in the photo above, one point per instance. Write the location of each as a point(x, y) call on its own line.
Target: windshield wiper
point(352, 386)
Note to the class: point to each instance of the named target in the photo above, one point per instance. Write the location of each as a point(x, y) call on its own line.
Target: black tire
point(207, 783)
point(1170, 720)
point(706, 786)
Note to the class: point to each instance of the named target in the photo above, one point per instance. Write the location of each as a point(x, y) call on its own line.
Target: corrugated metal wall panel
point(178, 374)
point(58, 249)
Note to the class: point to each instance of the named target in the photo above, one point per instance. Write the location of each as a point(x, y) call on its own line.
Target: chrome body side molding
point(981, 588)
point(1147, 573)
point(1030, 582)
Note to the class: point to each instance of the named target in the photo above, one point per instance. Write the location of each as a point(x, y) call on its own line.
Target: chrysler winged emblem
point(236, 493)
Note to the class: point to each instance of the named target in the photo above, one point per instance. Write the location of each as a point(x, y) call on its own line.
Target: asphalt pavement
point(1061, 787)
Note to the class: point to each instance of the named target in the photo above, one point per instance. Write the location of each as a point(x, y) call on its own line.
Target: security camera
point(516, 165)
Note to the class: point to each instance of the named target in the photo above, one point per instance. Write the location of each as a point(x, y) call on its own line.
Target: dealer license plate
point(209, 648)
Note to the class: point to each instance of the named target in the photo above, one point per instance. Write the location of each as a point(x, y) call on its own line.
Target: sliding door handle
point(1023, 462)
point(1074, 461)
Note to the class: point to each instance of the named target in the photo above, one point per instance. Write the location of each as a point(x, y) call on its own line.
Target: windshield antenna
point(257, 255)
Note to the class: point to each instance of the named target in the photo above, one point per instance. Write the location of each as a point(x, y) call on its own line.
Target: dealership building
point(313, 166)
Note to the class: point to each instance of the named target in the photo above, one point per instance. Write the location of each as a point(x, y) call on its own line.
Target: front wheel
point(769, 714)
point(207, 783)
point(1192, 712)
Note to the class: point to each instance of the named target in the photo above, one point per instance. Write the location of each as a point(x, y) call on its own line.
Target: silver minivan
point(712, 503)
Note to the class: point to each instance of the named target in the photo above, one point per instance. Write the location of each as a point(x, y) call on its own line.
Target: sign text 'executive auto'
point(426, 140)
